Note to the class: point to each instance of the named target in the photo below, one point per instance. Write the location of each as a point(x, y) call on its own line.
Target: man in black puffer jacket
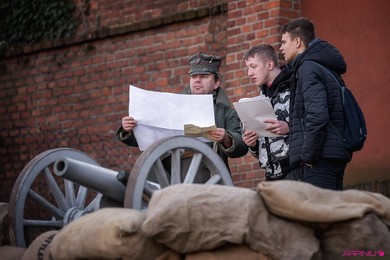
point(316, 110)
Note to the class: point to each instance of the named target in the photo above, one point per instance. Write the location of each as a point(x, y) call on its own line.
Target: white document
point(162, 114)
point(252, 113)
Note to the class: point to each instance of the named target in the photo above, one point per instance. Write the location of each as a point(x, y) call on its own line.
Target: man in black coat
point(316, 110)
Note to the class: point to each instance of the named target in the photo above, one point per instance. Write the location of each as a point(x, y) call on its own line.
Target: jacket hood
point(284, 76)
point(324, 53)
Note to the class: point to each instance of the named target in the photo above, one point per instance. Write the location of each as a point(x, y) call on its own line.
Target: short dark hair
point(265, 51)
point(302, 28)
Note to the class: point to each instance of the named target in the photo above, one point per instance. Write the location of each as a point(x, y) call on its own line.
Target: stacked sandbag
point(109, 233)
point(305, 202)
point(11, 252)
point(189, 218)
point(39, 248)
point(349, 238)
point(227, 251)
point(4, 224)
point(7, 252)
point(352, 220)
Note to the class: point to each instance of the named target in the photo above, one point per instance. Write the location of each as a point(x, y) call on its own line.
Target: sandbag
point(357, 237)
point(11, 252)
point(193, 217)
point(170, 255)
point(109, 233)
point(281, 239)
point(228, 252)
point(39, 248)
point(4, 224)
point(305, 202)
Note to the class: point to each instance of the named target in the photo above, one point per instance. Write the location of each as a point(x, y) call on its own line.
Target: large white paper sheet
point(252, 113)
point(162, 114)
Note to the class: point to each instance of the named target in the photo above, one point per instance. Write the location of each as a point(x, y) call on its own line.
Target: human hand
point(250, 138)
point(276, 126)
point(219, 135)
point(128, 123)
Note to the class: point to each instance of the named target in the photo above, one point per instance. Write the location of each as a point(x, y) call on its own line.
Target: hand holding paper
point(160, 114)
point(197, 131)
point(253, 112)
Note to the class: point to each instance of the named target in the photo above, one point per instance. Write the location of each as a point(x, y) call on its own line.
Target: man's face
point(289, 47)
point(257, 70)
point(203, 84)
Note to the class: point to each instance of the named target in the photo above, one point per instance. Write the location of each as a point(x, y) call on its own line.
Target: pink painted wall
point(359, 29)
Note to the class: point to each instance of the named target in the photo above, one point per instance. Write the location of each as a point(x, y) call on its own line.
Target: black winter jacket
point(316, 112)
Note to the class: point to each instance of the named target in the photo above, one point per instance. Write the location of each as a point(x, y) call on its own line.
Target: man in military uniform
point(204, 79)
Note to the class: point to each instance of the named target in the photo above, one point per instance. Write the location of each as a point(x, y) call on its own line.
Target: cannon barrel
point(91, 176)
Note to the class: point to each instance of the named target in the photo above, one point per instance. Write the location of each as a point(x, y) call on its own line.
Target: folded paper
point(253, 112)
point(197, 131)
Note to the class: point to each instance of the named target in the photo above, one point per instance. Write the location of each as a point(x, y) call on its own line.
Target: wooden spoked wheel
point(41, 201)
point(150, 172)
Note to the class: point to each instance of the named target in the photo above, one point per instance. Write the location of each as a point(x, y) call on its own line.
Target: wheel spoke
point(161, 174)
point(215, 179)
point(149, 167)
point(81, 196)
point(58, 213)
point(175, 167)
point(42, 223)
point(149, 189)
point(69, 192)
point(194, 167)
point(51, 202)
point(94, 204)
point(55, 190)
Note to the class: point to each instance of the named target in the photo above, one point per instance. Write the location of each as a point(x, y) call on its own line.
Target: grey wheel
point(149, 173)
point(40, 201)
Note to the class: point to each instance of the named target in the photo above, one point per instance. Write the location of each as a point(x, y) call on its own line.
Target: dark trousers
point(295, 174)
point(327, 174)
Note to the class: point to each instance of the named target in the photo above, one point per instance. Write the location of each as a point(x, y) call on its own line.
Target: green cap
point(202, 63)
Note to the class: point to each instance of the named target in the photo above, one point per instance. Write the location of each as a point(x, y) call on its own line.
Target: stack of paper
point(252, 113)
point(162, 114)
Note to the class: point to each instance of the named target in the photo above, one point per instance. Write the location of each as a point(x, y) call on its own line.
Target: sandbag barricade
point(278, 220)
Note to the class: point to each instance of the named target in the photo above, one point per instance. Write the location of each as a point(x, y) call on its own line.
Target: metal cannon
point(63, 184)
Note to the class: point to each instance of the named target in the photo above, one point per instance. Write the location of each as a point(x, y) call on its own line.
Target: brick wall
point(74, 92)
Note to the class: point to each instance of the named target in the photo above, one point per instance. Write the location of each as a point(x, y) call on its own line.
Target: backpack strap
point(342, 89)
point(341, 86)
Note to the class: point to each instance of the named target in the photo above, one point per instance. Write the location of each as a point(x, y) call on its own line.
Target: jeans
point(327, 174)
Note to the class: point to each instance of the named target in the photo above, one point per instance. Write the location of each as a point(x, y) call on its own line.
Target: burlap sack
point(3, 224)
point(170, 255)
point(350, 238)
point(194, 217)
point(11, 252)
point(109, 233)
point(39, 248)
point(281, 239)
point(228, 252)
point(225, 252)
point(305, 202)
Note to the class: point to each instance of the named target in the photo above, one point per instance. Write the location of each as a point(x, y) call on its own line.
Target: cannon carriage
point(63, 184)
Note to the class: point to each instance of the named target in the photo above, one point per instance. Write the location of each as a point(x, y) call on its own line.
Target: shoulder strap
point(333, 76)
